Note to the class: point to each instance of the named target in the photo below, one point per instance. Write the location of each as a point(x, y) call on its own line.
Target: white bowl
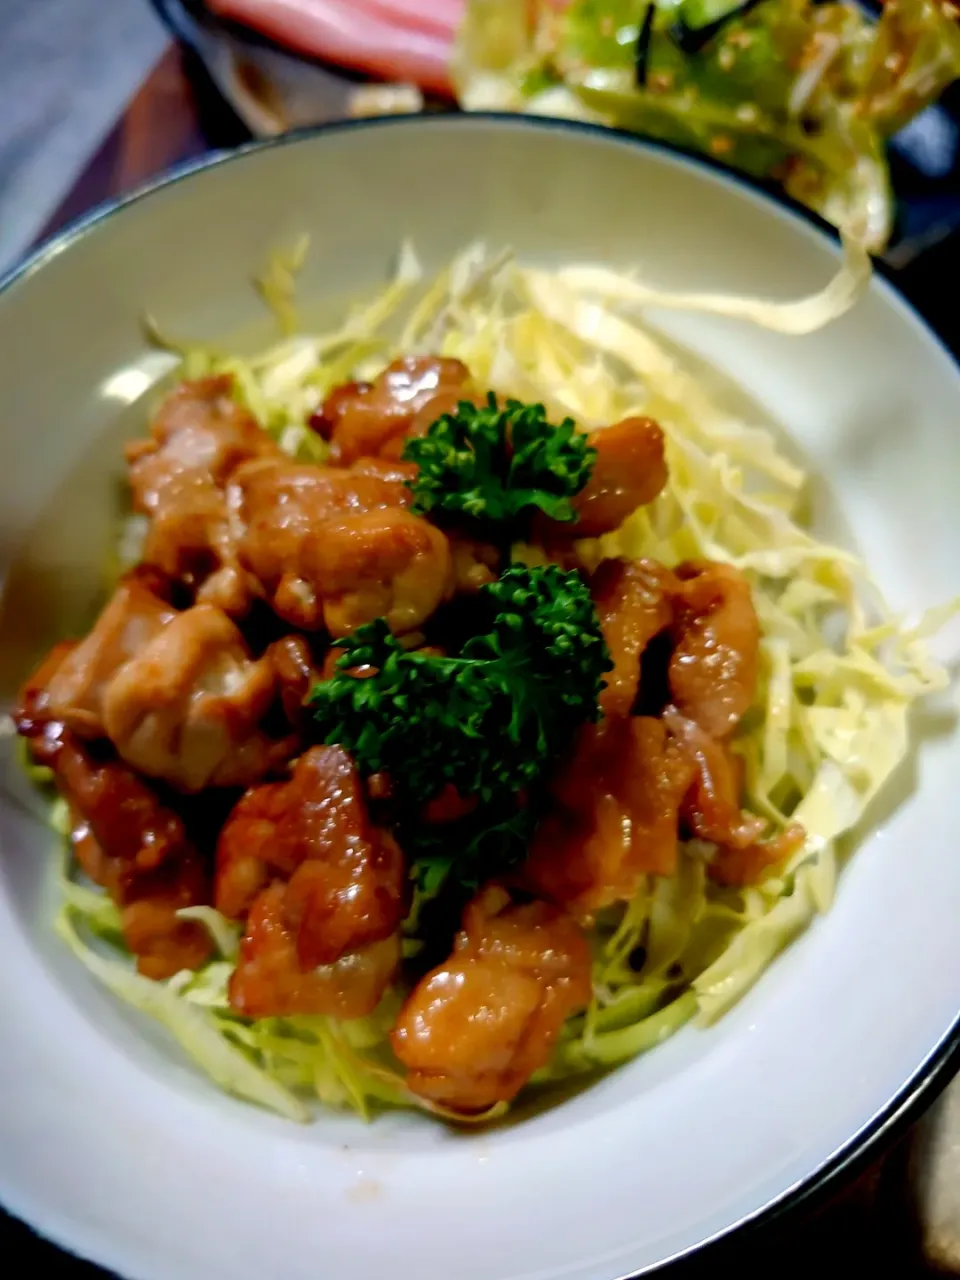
point(112, 1145)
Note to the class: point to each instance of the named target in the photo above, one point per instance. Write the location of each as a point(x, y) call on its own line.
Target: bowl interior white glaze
point(108, 1141)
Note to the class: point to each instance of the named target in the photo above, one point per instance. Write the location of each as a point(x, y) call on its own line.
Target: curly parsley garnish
point(497, 464)
point(490, 720)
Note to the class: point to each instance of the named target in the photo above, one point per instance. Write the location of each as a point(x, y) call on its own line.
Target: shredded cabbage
point(209, 1044)
point(274, 1062)
point(224, 934)
point(799, 317)
point(277, 282)
point(829, 725)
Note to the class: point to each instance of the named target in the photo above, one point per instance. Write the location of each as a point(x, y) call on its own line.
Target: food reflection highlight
point(471, 712)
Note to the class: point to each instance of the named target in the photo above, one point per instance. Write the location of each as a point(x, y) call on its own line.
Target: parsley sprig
point(496, 464)
point(491, 719)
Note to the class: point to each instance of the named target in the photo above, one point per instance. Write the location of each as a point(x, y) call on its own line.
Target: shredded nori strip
point(642, 55)
point(693, 39)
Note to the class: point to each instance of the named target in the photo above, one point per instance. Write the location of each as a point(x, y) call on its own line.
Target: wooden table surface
point(872, 1224)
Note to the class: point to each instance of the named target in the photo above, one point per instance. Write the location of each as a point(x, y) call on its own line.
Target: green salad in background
point(799, 94)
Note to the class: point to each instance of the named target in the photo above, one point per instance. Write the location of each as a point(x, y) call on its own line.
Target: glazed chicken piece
point(286, 497)
point(177, 477)
point(711, 810)
point(127, 841)
point(391, 471)
point(335, 548)
point(32, 714)
point(188, 708)
point(270, 982)
point(739, 867)
point(133, 831)
point(475, 564)
point(615, 817)
point(346, 875)
point(475, 1029)
point(713, 670)
point(339, 881)
point(134, 615)
point(296, 672)
point(630, 470)
point(199, 428)
point(632, 599)
point(124, 838)
point(179, 694)
point(374, 419)
point(383, 564)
